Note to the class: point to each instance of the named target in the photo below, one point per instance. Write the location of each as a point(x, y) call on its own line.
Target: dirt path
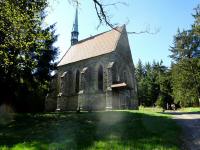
point(190, 123)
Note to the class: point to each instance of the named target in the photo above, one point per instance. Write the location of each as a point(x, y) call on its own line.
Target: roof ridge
point(91, 37)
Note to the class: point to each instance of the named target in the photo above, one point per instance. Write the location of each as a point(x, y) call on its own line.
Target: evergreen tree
point(185, 71)
point(165, 93)
point(186, 82)
point(153, 82)
point(196, 25)
point(26, 53)
point(139, 71)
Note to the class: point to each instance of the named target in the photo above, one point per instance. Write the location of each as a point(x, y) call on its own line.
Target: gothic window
point(100, 78)
point(77, 81)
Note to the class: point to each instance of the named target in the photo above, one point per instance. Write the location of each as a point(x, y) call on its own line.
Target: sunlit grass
point(138, 130)
point(158, 109)
point(190, 109)
point(150, 109)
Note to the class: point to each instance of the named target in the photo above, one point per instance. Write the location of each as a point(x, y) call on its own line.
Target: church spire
point(75, 33)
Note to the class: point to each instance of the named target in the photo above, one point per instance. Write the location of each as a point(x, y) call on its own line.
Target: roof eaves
point(84, 59)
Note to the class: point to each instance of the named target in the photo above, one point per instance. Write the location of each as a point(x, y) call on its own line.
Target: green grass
point(158, 109)
point(190, 109)
point(150, 109)
point(120, 130)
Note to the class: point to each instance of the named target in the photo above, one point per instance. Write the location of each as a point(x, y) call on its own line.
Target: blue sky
point(165, 15)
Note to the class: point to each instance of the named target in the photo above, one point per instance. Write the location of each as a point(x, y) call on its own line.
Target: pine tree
point(165, 93)
point(186, 68)
point(139, 71)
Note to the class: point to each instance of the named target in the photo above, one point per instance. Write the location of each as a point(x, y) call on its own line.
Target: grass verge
point(190, 109)
point(138, 130)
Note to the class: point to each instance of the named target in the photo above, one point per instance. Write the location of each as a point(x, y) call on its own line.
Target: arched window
point(77, 81)
point(100, 78)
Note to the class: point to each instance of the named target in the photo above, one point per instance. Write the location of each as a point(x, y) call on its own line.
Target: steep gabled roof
point(93, 46)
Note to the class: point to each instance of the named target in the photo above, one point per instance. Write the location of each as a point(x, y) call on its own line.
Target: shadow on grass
point(97, 130)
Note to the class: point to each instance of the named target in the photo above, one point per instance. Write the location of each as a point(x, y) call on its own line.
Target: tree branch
point(103, 17)
point(116, 3)
point(100, 11)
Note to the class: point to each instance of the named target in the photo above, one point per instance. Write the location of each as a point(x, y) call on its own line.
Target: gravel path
point(190, 123)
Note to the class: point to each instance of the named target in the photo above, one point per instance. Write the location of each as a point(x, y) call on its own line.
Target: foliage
point(165, 95)
point(139, 71)
point(26, 53)
point(161, 101)
point(99, 130)
point(186, 77)
point(186, 67)
point(153, 82)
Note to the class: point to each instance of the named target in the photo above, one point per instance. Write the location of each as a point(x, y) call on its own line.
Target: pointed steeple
point(75, 33)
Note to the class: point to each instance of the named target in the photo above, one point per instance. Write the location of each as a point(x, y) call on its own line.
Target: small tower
point(75, 33)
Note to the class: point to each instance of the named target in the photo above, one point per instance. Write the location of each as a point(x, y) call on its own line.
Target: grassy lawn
point(121, 130)
point(157, 109)
point(190, 109)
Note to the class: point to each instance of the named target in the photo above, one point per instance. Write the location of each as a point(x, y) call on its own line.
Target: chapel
point(96, 73)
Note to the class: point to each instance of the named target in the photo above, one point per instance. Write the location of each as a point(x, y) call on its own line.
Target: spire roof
point(75, 33)
point(75, 25)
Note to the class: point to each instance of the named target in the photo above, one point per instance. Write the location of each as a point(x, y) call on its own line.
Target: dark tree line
point(180, 83)
point(154, 84)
